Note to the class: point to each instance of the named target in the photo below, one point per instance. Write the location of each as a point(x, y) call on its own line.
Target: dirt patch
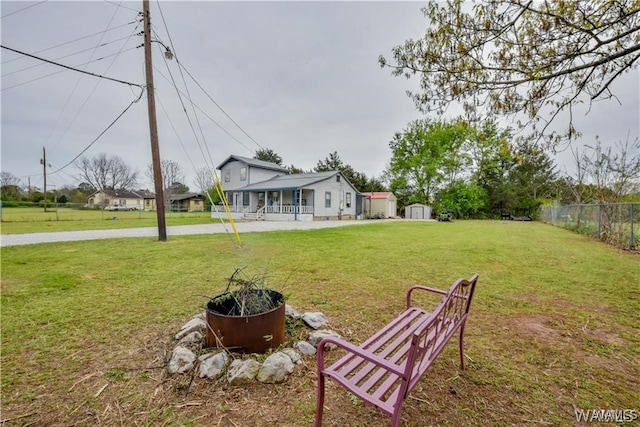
point(536, 326)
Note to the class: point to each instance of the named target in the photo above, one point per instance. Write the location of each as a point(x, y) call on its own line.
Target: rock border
point(239, 369)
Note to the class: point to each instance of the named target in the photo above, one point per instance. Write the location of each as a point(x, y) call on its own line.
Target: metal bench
point(386, 367)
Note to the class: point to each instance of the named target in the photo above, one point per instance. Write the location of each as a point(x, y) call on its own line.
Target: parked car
point(118, 208)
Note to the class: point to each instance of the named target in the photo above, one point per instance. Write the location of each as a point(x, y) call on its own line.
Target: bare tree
point(7, 178)
point(614, 171)
point(107, 172)
point(512, 57)
point(171, 173)
point(204, 179)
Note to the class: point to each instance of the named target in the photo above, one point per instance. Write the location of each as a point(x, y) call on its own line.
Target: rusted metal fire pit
point(245, 334)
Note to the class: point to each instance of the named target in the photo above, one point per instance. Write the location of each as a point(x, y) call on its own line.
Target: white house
point(380, 204)
point(265, 191)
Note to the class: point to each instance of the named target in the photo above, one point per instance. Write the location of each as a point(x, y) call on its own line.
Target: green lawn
point(36, 220)
point(554, 325)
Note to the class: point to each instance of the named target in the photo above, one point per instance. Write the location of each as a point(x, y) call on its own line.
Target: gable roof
point(379, 194)
point(122, 194)
point(292, 181)
point(253, 162)
point(184, 196)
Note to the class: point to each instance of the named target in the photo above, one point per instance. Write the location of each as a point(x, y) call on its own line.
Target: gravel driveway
point(243, 227)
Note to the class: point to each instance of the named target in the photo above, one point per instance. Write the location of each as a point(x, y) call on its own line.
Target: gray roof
point(289, 182)
point(253, 162)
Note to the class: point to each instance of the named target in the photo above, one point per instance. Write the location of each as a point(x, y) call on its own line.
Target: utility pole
point(43, 162)
point(153, 125)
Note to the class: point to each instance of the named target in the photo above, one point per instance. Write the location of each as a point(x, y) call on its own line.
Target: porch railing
point(289, 209)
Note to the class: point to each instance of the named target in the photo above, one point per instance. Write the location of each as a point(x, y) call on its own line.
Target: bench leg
point(319, 401)
point(462, 347)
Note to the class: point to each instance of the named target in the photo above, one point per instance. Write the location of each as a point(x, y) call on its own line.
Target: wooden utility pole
point(153, 125)
point(43, 162)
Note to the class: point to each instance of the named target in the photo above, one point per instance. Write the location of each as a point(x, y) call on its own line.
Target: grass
point(554, 325)
point(35, 220)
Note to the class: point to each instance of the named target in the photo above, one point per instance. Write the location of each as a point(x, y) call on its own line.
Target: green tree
point(334, 163)
point(268, 155)
point(533, 176)
point(519, 57)
point(423, 154)
point(465, 200)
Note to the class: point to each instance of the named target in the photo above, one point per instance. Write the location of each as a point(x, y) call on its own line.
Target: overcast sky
point(300, 78)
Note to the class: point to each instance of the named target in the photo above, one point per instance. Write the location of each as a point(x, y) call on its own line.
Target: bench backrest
point(430, 338)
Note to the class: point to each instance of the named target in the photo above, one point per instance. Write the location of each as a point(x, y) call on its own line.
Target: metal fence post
point(631, 239)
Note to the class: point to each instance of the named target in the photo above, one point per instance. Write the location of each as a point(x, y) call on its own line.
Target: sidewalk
point(242, 227)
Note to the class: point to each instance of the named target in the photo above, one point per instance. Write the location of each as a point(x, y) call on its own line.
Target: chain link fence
point(614, 223)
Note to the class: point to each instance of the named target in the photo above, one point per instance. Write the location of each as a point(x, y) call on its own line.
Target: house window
point(348, 200)
point(338, 178)
point(227, 175)
point(243, 174)
point(245, 199)
point(327, 199)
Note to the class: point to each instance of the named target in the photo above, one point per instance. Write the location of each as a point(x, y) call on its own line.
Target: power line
point(218, 105)
point(66, 56)
point(121, 6)
point(201, 88)
point(71, 68)
point(208, 116)
point(73, 41)
point(24, 8)
point(100, 135)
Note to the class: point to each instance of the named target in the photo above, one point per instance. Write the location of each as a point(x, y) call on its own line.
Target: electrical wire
point(24, 8)
point(90, 93)
point(121, 6)
point(66, 56)
point(100, 135)
point(70, 68)
point(69, 42)
point(209, 117)
point(198, 84)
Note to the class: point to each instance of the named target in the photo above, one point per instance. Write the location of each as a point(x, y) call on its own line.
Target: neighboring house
point(380, 204)
point(417, 211)
point(188, 202)
point(134, 200)
point(262, 190)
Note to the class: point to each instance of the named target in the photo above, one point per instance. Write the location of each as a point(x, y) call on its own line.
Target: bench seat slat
point(349, 362)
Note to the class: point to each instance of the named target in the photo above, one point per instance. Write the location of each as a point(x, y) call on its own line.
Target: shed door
point(417, 212)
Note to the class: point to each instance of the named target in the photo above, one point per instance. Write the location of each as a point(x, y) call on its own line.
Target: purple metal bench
point(387, 366)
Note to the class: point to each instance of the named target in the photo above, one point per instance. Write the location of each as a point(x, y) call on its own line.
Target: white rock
point(242, 371)
point(293, 355)
point(316, 336)
point(194, 337)
point(275, 368)
point(212, 365)
point(316, 320)
point(182, 360)
point(305, 348)
point(291, 312)
point(195, 324)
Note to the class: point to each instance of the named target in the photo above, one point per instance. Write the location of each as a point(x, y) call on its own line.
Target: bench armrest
point(350, 348)
point(422, 288)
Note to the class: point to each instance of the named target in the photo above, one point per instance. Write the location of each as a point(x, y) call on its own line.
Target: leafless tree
point(107, 172)
point(204, 179)
point(171, 173)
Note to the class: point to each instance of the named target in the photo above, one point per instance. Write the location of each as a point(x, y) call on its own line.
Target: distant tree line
point(474, 171)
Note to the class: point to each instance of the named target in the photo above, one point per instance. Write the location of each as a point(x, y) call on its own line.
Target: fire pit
point(231, 322)
point(247, 318)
